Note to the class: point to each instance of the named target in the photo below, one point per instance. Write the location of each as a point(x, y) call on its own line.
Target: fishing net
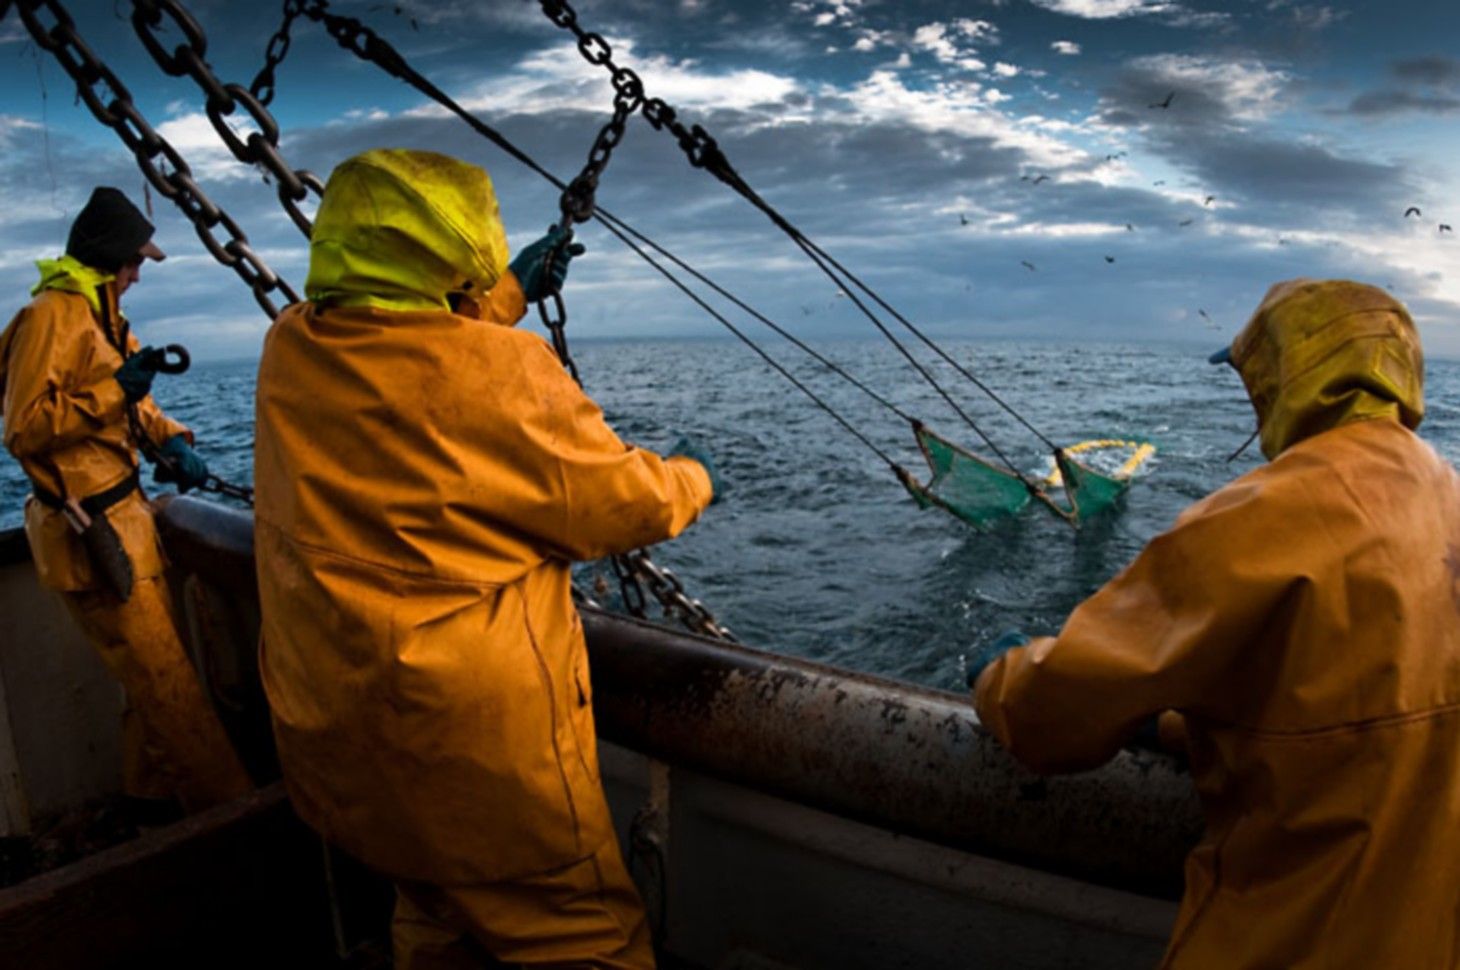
point(1084, 479)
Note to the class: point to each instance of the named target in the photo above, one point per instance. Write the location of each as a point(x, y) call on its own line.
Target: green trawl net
point(979, 493)
point(964, 484)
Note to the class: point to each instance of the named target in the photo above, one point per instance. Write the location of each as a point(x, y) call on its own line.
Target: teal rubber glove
point(137, 371)
point(690, 448)
point(989, 652)
point(529, 266)
point(180, 463)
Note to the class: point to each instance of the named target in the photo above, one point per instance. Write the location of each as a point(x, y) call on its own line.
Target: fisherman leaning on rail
point(424, 480)
point(70, 373)
point(1305, 622)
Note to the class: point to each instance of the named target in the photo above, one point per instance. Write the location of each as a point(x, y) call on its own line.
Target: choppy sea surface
point(816, 550)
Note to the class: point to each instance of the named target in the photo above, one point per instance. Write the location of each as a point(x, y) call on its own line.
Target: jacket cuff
point(506, 303)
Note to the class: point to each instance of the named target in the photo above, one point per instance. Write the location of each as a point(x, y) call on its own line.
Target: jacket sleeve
point(1187, 626)
point(580, 491)
point(158, 426)
point(47, 403)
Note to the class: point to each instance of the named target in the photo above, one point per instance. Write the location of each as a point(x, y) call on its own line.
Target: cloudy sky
point(1081, 169)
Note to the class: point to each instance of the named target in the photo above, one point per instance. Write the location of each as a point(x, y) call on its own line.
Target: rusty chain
point(111, 104)
point(260, 147)
point(672, 596)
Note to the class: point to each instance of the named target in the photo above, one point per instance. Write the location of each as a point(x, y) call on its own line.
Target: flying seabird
point(1209, 200)
point(1186, 222)
point(1445, 227)
point(1129, 227)
point(1027, 265)
point(1411, 211)
point(1110, 259)
point(1166, 103)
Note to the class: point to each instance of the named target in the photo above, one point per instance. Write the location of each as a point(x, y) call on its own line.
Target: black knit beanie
point(109, 232)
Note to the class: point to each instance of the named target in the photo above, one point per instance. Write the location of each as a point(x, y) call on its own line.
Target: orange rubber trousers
point(173, 742)
point(586, 915)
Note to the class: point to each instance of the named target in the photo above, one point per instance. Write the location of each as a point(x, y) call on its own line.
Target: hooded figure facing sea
point(1305, 622)
point(424, 480)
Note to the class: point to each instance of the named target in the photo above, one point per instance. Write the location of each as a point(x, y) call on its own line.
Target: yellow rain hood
point(1321, 353)
point(399, 229)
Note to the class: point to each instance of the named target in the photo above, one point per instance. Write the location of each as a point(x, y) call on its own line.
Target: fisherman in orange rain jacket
point(76, 398)
point(425, 478)
point(1304, 621)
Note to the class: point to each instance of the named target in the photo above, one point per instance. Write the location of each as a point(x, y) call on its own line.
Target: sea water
point(816, 550)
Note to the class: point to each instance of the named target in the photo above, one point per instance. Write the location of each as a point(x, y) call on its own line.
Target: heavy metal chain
point(578, 199)
point(111, 104)
point(261, 146)
point(263, 83)
point(696, 143)
point(672, 596)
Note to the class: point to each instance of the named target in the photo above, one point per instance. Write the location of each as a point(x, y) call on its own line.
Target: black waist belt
point(92, 505)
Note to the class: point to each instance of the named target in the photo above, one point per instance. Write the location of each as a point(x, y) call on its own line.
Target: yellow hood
point(73, 276)
point(1321, 353)
point(399, 229)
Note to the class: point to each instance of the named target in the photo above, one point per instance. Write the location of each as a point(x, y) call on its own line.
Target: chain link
point(696, 143)
point(274, 54)
point(672, 596)
point(260, 146)
point(116, 110)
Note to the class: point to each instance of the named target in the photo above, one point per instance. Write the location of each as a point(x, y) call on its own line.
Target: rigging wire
point(703, 152)
point(631, 244)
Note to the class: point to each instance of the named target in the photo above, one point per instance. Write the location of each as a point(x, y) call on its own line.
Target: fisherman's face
point(130, 273)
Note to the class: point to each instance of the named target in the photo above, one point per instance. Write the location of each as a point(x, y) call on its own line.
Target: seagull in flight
point(962, 219)
point(1209, 200)
point(1411, 211)
point(1110, 259)
point(1040, 178)
point(1186, 222)
point(1027, 265)
point(1206, 318)
point(1159, 182)
point(1129, 227)
point(1166, 103)
point(1445, 227)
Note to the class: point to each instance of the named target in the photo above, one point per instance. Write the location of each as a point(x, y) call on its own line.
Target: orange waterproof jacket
point(1306, 621)
point(66, 420)
point(424, 482)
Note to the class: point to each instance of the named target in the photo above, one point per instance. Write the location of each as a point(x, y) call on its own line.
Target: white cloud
point(1066, 47)
point(942, 41)
point(1249, 90)
point(959, 108)
point(977, 30)
point(545, 82)
point(1005, 70)
point(1172, 13)
point(12, 126)
point(1099, 9)
point(200, 146)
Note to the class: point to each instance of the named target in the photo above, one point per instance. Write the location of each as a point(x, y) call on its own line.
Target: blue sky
point(940, 150)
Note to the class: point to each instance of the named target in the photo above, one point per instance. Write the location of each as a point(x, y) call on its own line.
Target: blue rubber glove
point(137, 371)
point(179, 457)
point(528, 266)
point(989, 652)
point(690, 448)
